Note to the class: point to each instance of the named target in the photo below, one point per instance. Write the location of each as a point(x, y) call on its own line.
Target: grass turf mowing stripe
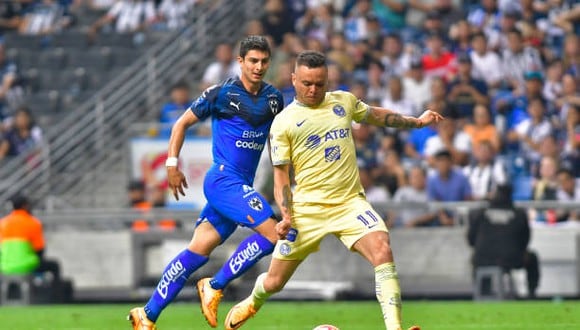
point(430, 315)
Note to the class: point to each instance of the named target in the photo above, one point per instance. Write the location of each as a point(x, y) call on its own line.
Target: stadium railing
point(83, 162)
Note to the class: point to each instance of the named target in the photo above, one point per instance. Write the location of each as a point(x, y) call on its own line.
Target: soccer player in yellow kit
point(313, 135)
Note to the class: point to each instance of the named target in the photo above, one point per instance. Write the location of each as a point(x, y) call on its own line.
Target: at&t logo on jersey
point(339, 133)
point(250, 252)
point(174, 271)
point(332, 154)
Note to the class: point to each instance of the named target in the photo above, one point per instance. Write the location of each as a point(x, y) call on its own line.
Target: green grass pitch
point(430, 315)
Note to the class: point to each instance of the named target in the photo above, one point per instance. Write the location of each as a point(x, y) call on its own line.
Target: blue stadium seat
point(522, 188)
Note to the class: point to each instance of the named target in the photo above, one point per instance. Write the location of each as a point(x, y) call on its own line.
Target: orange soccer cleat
point(139, 320)
point(209, 300)
point(240, 313)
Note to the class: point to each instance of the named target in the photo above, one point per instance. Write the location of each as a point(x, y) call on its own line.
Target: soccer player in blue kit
point(242, 111)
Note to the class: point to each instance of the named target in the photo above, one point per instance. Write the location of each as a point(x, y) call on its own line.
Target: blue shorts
point(232, 201)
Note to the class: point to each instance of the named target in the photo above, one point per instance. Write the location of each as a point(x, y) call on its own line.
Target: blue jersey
point(240, 123)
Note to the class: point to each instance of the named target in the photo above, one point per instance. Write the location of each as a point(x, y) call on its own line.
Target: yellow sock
point(389, 294)
point(259, 294)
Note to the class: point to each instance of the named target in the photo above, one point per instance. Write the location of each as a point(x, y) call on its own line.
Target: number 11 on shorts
point(368, 219)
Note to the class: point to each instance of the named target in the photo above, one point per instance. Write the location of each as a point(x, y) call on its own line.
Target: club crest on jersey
point(332, 154)
point(285, 249)
point(273, 103)
point(339, 110)
point(256, 204)
point(312, 141)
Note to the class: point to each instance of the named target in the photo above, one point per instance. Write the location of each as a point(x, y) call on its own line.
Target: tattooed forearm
point(286, 200)
point(399, 121)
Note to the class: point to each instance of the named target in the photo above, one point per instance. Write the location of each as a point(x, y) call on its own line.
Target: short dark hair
point(565, 170)
point(478, 34)
point(443, 154)
point(254, 43)
point(311, 59)
point(19, 202)
point(180, 85)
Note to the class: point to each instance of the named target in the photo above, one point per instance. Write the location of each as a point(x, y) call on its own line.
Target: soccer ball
point(326, 327)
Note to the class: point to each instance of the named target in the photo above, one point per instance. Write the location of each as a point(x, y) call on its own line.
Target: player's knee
point(382, 253)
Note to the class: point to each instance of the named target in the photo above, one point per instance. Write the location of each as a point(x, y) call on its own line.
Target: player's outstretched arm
point(175, 177)
point(388, 118)
point(283, 197)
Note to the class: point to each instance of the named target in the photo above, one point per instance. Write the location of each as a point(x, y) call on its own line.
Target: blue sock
point(248, 253)
point(172, 281)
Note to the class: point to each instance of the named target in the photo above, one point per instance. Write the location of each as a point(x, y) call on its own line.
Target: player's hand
point(176, 181)
point(429, 117)
point(282, 228)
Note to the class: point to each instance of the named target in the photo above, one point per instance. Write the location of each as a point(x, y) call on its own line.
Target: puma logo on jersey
point(237, 106)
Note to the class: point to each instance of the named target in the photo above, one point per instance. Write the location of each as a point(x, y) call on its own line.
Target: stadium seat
point(116, 40)
point(44, 102)
point(95, 59)
point(53, 58)
point(124, 57)
point(97, 79)
point(23, 58)
point(522, 188)
point(15, 283)
point(70, 39)
point(15, 40)
point(498, 288)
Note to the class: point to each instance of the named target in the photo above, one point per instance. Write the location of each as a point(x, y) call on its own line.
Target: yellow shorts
point(348, 222)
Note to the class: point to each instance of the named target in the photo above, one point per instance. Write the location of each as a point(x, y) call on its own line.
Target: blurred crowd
point(505, 74)
point(18, 132)
point(40, 17)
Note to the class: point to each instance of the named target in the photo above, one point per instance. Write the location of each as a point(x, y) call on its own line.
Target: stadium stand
point(103, 87)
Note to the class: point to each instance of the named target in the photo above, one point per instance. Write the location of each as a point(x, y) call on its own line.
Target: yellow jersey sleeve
point(280, 141)
point(359, 108)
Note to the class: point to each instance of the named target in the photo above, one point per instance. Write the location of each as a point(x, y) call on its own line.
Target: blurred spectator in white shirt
point(45, 17)
point(395, 58)
point(394, 99)
point(486, 64)
point(449, 138)
point(553, 85)
point(373, 192)
point(568, 191)
point(486, 173)
point(517, 60)
point(174, 14)
point(416, 86)
point(128, 16)
point(530, 132)
point(415, 192)
point(224, 66)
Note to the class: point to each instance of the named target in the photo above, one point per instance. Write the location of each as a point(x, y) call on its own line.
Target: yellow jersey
point(317, 142)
